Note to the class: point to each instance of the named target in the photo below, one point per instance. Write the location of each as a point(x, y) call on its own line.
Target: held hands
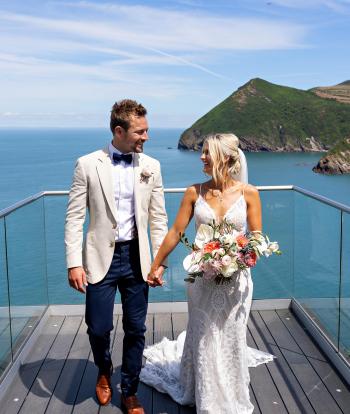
point(77, 278)
point(155, 277)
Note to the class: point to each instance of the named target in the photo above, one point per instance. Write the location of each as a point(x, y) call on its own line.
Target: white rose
point(218, 252)
point(227, 239)
point(228, 271)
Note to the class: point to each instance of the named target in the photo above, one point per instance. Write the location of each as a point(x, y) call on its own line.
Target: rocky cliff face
point(337, 161)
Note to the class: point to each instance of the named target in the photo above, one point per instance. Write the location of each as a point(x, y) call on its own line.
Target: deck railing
point(314, 270)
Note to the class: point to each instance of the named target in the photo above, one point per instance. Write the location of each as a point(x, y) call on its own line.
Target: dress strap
point(200, 189)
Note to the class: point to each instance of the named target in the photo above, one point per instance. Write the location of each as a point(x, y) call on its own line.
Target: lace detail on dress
point(203, 213)
point(208, 365)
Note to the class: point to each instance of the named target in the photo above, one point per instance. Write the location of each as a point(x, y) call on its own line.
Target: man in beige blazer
point(122, 189)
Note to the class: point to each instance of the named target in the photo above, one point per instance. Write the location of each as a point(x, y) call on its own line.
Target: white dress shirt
point(123, 180)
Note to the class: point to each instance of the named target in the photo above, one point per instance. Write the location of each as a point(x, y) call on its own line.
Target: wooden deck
point(59, 375)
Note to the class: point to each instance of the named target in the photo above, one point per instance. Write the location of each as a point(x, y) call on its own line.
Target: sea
point(33, 160)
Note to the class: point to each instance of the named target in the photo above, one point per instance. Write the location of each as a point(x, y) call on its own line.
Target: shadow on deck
point(59, 376)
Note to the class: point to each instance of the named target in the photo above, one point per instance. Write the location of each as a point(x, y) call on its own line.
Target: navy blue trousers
point(124, 274)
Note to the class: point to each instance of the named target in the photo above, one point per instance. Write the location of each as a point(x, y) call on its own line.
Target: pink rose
point(209, 272)
point(250, 259)
point(226, 260)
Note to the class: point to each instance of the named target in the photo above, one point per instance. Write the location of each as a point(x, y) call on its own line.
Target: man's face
point(133, 139)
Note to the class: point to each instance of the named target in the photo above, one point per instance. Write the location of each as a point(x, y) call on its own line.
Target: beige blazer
point(92, 189)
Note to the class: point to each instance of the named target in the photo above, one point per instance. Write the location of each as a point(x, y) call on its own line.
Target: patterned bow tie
point(117, 158)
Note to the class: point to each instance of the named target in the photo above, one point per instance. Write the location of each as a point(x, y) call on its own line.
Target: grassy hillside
point(270, 117)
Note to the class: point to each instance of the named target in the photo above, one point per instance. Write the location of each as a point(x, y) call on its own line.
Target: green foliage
point(341, 149)
point(277, 116)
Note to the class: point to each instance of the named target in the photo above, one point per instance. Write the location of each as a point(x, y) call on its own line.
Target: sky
point(64, 63)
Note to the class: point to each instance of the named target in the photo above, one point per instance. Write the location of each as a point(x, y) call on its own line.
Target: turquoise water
point(34, 160)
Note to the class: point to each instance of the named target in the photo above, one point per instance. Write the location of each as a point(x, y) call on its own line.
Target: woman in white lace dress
point(208, 364)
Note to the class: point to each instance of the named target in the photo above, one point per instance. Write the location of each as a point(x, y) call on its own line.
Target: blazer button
point(111, 244)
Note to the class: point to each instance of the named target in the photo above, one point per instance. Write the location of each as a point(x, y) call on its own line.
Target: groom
point(122, 189)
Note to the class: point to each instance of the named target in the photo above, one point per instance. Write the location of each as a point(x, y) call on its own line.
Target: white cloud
point(82, 56)
point(9, 114)
point(131, 37)
point(146, 28)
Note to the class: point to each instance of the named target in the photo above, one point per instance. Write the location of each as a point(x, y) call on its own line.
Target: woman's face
point(207, 161)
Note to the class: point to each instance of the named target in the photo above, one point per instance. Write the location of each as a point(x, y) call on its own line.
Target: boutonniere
point(145, 175)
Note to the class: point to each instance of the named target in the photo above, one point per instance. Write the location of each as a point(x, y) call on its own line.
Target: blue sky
point(64, 63)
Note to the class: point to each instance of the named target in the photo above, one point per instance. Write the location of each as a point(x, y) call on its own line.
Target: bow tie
point(117, 158)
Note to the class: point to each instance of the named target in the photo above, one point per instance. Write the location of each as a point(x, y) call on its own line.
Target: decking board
point(333, 382)
point(59, 374)
point(317, 393)
point(287, 384)
point(13, 400)
point(45, 382)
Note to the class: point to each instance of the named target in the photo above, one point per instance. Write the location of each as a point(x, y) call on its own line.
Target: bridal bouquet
point(219, 251)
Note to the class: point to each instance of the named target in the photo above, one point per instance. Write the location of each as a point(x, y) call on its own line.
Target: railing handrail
point(308, 193)
point(323, 199)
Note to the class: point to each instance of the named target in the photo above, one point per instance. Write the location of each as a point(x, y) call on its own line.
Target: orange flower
point(210, 246)
point(242, 241)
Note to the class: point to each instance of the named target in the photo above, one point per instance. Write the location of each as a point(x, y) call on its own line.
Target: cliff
point(337, 160)
point(269, 117)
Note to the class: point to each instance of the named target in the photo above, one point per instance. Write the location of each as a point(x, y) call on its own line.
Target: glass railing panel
point(174, 289)
point(317, 261)
point(273, 276)
point(26, 255)
point(5, 329)
point(58, 289)
point(344, 328)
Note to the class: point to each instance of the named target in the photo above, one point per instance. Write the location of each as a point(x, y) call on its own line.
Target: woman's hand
point(155, 277)
point(172, 238)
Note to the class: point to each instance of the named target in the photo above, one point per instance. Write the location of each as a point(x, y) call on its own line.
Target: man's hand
point(155, 277)
point(77, 278)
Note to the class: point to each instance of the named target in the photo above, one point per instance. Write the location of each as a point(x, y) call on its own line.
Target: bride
point(208, 364)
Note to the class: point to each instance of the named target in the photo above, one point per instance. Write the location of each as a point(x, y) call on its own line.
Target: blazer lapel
point(104, 172)
point(137, 194)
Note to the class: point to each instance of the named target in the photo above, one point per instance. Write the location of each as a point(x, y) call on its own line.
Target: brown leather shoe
point(131, 405)
point(103, 388)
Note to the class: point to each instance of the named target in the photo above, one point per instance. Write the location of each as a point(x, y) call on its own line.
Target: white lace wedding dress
point(208, 364)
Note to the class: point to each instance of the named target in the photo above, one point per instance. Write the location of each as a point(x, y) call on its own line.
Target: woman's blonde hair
point(223, 150)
